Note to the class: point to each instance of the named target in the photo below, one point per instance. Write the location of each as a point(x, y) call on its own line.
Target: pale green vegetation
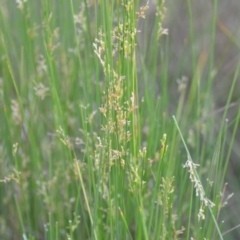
point(89, 148)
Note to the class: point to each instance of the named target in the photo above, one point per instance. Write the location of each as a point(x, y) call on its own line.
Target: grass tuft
point(89, 149)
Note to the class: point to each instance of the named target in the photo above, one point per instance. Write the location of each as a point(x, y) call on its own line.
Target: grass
point(89, 147)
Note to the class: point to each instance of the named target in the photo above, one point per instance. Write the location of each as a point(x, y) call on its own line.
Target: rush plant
point(89, 148)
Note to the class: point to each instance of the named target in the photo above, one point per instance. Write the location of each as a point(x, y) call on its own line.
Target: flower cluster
point(205, 202)
point(161, 13)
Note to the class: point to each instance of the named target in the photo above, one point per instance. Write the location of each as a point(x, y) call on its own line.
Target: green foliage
point(89, 149)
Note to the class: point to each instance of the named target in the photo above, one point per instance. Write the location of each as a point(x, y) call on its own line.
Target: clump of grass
point(89, 151)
